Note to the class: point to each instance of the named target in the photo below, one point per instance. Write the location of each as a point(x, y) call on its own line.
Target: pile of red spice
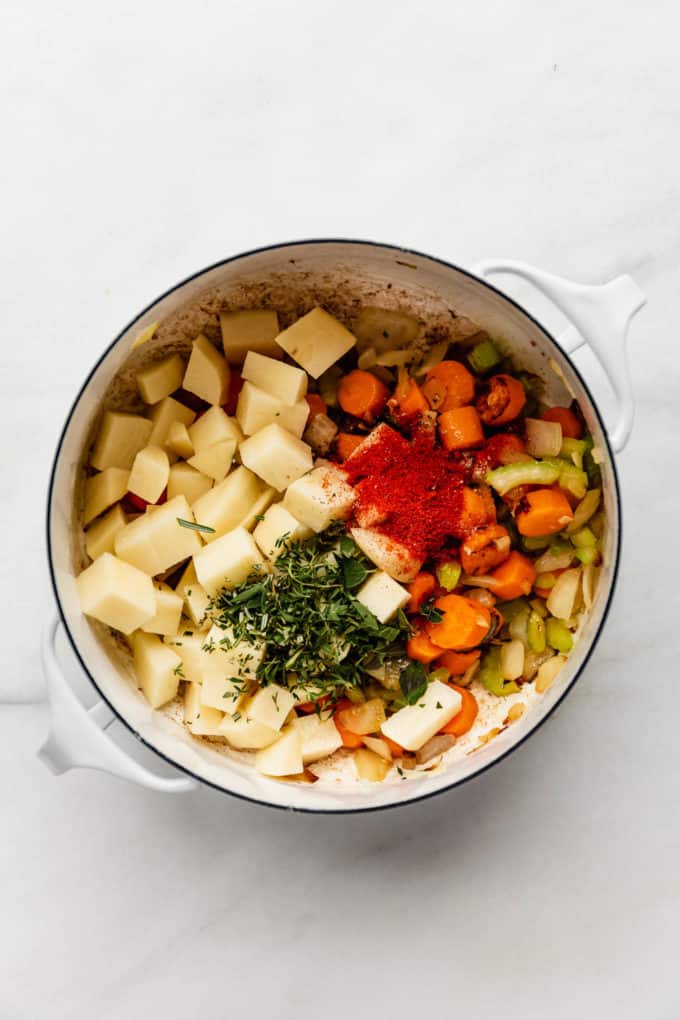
point(413, 484)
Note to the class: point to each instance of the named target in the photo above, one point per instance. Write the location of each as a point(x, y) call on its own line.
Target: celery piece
point(530, 472)
point(509, 610)
point(585, 510)
point(517, 627)
point(491, 674)
point(573, 450)
point(557, 636)
point(584, 539)
point(546, 580)
point(538, 606)
point(590, 466)
point(448, 574)
point(569, 476)
point(534, 543)
point(588, 554)
point(484, 357)
point(328, 385)
point(536, 633)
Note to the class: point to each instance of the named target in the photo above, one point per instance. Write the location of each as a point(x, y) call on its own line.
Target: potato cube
point(320, 497)
point(160, 379)
point(251, 330)
point(412, 726)
point(277, 530)
point(258, 508)
point(116, 593)
point(184, 480)
point(244, 733)
point(156, 541)
point(196, 601)
point(226, 504)
point(103, 490)
point(188, 645)
point(271, 705)
point(316, 341)
point(283, 758)
point(168, 611)
point(285, 382)
point(200, 720)
point(100, 535)
point(389, 555)
point(157, 668)
point(222, 692)
point(241, 659)
point(320, 737)
point(207, 373)
point(179, 441)
point(382, 595)
point(226, 562)
point(150, 473)
point(276, 456)
point(215, 461)
point(163, 415)
point(119, 440)
point(213, 427)
point(256, 409)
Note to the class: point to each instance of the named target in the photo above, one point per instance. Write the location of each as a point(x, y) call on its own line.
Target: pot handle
point(77, 739)
point(600, 315)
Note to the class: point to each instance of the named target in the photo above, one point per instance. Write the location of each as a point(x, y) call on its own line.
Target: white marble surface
point(144, 140)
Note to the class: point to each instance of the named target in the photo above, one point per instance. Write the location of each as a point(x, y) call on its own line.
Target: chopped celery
point(588, 554)
point(573, 450)
point(569, 476)
point(538, 606)
point(328, 385)
point(536, 633)
point(530, 472)
point(484, 357)
point(448, 574)
point(534, 543)
point(491, 674)
point(597, 524)
point(585, 510)
point(509, 610)
point(584, 538)
point(546, 580)
point(558, 636)
point(517, 627)
point(590, 465)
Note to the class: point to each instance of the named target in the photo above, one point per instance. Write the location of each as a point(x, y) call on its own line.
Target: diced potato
point(382, 595)
point(285, 382)
point(103, 490)
point(320, 737)
point(184, 480)
point(228, 502)
point(370, 765)
point(277, 530)
point(188, 645)
point(100, 535)
point(385, 328)
point(276, 456)
point(242, 659)
point(116, 593)
point(157, 668)
point(156, 541)
point(145, 335)
point(256, 409)
point(150, 473)
point(215, 461)
point(201, 720)
point(213, 427)
point(179, 440)
point(163, 415)
point(258, 508)
point(414, 725)
point(168, 611)
point(195, 597)
point(119, 440)
point(207, 373)
point(226, 562)
point(221, 692)
point(320, 497)
point(245, 331)
point(160, 379)
point(388, 554)
point(244, 733)
point(283, 758)
point(271, 705)
point(316, 341)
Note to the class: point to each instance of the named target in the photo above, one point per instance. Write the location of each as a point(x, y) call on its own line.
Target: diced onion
point(561, 601)
point(512, 659)
point(390, 359)
point(370, 765)
point(547, 672)
point(591, 574)
point(367, 359)
point(550, 561)
point(544, 438)
point(378, 746)
point(434, 356)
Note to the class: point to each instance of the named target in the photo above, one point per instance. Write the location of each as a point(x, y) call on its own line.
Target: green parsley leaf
point(413, 682)
point(354, 573)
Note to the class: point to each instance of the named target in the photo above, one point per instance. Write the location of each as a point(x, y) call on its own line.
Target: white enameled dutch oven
point(341, 275)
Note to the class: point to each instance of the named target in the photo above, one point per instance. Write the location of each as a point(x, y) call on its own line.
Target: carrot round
point(317, 405)
point(501, 400)
point(543, 512)
point(458, 663)
point(362, 394)
point(449, 385)
point(346, 444)
point(465, 623)
point(484, 549)
point(349, 739)
point(513, 578)
point(408, 400)
point(420, 589)
point(420, 648)
point(460, 428)
point(564, 416)
point(469, 708)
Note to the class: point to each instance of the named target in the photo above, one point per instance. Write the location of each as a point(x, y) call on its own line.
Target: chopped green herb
point(195, 527)
point(413, 682)
point(430, 612)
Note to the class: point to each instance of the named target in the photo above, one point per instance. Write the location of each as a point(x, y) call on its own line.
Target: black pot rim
point(615, 572)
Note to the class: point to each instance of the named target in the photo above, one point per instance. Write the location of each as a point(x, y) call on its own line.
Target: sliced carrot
point(458, 663)
point(461, 428)
point(543, 512)
point(469, 708)
point(408, 400)
point(513, 578)
point(477, 509)
point(501, 400)
point(307, 707)
point(362, 394)
point(564, 416)
point(484, 549)
point(420, 648)
point(419, 590)
point(449, 385)
point(465, 623)
point(317, 405)
point(396, 749)
point(346, 443)
point(349, 739)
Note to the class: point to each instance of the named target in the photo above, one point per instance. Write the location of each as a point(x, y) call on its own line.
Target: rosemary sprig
point(195, 527)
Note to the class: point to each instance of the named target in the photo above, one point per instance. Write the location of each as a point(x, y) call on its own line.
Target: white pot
point(599, 316)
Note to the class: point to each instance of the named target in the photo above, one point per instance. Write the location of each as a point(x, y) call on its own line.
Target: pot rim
point(615, 567)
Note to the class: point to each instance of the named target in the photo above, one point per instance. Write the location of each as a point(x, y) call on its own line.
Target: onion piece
point(390, 359)
point(435, 746)
point(590, 577)
point(544, 438)
point(512, 659)
point(547, 672)
point(558, 560)
point(561, 601)
point(434, 356)
point(379, 747)
point(370, 765)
